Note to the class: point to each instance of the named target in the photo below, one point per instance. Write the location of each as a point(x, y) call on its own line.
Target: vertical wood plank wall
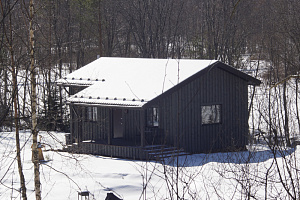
point(132, 125)
point(180, 113)
point(84, 129)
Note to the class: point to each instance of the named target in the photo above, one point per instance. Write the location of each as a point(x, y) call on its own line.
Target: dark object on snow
point(84, 194)
point(111, 196)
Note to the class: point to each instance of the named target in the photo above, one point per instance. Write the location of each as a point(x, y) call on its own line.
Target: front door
point(118, 124)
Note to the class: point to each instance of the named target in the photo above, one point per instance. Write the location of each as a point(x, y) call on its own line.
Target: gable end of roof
point(218, 64)
point(251, 80)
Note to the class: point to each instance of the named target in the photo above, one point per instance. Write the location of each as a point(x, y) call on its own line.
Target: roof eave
point(250, 80)
point(74, 85)
point(136, 107)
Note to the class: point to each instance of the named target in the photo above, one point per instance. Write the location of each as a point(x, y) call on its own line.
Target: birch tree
point(36, 164)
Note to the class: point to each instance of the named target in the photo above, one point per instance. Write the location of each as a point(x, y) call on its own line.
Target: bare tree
point(37, 184)
point(8, 34)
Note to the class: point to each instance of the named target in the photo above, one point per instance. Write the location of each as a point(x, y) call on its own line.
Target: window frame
point(95, 113)
point(152, 117)
point(214, 116)
point(91, 113)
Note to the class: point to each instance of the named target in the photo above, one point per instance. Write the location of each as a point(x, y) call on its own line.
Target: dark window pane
point(152, 117)
point(211, 114)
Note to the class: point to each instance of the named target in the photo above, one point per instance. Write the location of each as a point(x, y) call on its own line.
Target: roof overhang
point(250, 80)
point(107, 105)
point(67, 82)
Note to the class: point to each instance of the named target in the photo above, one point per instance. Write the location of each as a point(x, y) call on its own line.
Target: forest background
point(40, 41)
point(71, 33)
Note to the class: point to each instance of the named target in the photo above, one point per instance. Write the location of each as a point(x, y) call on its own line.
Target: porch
point(125, 149)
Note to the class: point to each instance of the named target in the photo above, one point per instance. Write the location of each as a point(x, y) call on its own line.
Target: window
point(92, 113)
point(211, 114)
point(152, 117)
point(89, 113)
point(95, 114)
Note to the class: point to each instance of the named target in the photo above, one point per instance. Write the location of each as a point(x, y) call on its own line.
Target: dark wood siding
point(114, 151)
point(84, 129)
point(132, 125)
point(180, 113)
point(75, 89)
point(76, 123)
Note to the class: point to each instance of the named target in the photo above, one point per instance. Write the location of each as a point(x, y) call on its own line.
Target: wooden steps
point(159, 152)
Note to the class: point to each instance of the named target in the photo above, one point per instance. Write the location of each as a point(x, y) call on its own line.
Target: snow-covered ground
point(201, 176)
point(257, 173)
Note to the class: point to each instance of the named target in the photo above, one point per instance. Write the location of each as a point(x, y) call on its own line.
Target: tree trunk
point(100, 30)
point(37, 184)
point(16, 113)
point(297, 107)
point(16, 119)
point(286, 117)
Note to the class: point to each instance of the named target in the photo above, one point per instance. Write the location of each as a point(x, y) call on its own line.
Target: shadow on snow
point(241, 157)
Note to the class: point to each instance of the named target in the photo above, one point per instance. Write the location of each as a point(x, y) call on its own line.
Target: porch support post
point(82, 124)
point(142, 127)
point(110, 129)
point(71, 124)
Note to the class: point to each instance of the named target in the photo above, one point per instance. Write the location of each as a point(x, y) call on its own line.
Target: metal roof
point(105, 94)
point(125, 79)
point(132, 82)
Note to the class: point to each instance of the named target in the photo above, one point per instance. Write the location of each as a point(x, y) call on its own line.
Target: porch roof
point(105, 94)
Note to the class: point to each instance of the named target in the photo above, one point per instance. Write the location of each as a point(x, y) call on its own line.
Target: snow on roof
point(129, 81)
point(117, 94)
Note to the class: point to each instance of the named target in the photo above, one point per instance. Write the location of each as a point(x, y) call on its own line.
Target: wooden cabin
point(136, 107)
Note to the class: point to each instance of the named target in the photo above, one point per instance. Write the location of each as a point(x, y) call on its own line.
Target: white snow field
point(202, 176)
